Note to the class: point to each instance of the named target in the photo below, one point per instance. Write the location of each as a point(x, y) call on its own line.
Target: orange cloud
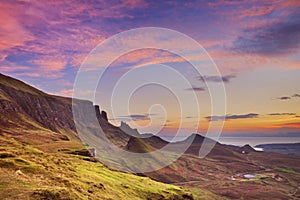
point(292, 124)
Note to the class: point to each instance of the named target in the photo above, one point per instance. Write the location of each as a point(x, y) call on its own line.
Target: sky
point(254, 44)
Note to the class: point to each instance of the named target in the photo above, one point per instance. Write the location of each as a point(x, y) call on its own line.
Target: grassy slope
point(19, 85)
point(27, 172)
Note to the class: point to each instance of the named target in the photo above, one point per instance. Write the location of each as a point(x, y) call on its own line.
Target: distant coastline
point(252, 140)
point(283, 148)
point(255, 141)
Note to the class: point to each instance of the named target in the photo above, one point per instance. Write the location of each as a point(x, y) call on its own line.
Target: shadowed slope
point(137, 145)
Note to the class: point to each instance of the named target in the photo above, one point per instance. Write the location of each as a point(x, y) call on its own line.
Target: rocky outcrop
point(128, 130)
point(104, 115)
point(46, 110)
point(97, 110)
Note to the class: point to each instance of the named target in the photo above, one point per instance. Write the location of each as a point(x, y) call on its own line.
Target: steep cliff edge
point(23, 107)
point(31, 106)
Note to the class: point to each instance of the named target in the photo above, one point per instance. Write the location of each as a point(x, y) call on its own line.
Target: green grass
point(286, 170)
point(29, 173)
point(260, 176)
point(32, 123)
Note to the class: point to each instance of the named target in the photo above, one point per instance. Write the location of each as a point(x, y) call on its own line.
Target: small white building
point(249, 176)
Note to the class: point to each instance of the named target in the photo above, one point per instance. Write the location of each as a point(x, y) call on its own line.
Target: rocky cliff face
point(26, 108)
point(53, 113)
point(128, 130)
point(104, 115)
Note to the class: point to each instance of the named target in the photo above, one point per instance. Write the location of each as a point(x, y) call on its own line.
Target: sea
point(253, 141)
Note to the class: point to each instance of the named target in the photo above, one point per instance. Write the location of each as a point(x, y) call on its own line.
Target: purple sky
point(255, 44)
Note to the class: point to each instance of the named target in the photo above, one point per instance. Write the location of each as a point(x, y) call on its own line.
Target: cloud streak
point(196, 89)
point(292, 124)
point(217, 79)
point(232, 117)
point(134, 117)
point(284, 98)
point(281, 114)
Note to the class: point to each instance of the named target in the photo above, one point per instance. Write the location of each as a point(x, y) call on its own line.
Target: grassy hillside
point(19, 85)
point(224, 171)
point(29, 173)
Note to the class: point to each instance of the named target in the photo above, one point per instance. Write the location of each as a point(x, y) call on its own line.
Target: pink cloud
point(12, 32)
point(64, 93)
point(54, 29)
point(7, 68)
point(50, 68)
point(60, 30)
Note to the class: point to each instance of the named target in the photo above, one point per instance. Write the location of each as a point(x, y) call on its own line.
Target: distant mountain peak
point(128, 130)
point(247, 149)
point(138, 145)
